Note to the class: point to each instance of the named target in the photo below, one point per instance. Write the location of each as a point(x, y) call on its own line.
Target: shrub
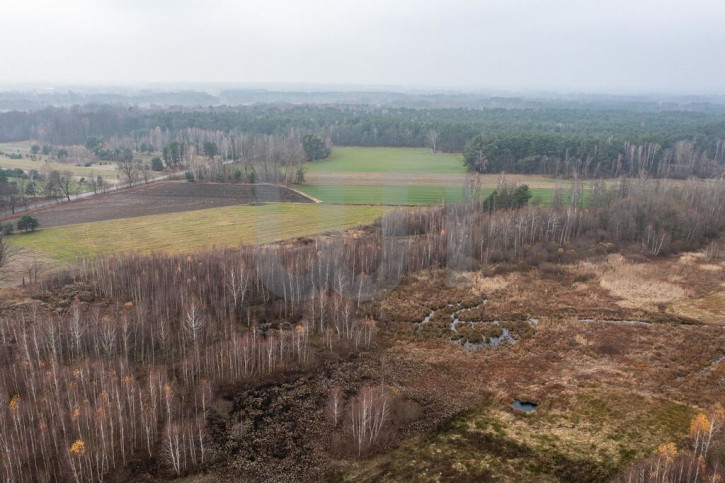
point(28, 223)
point(491, 330)
point(157, 164)
point(475, 336)
point(315, 147)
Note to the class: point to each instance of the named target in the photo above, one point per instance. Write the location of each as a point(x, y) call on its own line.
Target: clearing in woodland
point(407, 176)
point(389, 160)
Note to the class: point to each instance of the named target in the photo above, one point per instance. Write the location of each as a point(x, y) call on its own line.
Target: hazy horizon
point(319, 87)
point(550, 46)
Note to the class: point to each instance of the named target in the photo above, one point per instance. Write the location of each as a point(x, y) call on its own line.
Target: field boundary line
point(301, 193)
point(278, 185)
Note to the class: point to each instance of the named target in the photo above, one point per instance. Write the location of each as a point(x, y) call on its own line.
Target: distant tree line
point(558, 155)
point(547, 140)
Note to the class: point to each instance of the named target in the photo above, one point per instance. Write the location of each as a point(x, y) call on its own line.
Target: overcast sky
point(672, 46)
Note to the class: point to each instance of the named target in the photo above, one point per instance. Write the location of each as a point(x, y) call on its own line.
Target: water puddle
point(524, 406)
point(505, 336)
point(492, 341)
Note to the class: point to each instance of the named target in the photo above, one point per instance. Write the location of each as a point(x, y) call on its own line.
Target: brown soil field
point(160, 198)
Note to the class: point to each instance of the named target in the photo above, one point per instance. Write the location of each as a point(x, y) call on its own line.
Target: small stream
point(628, 322)
point(505, 336)
point(714, 363)
point(703, 370)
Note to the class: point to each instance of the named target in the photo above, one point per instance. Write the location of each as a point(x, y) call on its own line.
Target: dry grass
point(608, 393)
point(691, 258)
point(484, 285)
point(709, 309)
point(641, 285)
point(22, 263)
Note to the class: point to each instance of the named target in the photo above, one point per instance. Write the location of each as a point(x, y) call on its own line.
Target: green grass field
point(388, 160)
point(385, 195)
point(405, 176)
point(22, 147)
point(191, 230)
point(409, 195)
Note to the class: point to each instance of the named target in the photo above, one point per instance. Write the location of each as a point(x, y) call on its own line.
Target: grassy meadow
point(406, 195)
point(389, 160)
point(405, 176)
point(43, 163)
point(108, 171)
point(191, 230)
point(384, 195)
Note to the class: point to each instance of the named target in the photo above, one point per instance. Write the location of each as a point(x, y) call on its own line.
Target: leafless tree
point(368, 413)
point(8, 251)
point(128, 168)
point(67, 183)
point(335, 406)
point(431, 140)
point(472, 187)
